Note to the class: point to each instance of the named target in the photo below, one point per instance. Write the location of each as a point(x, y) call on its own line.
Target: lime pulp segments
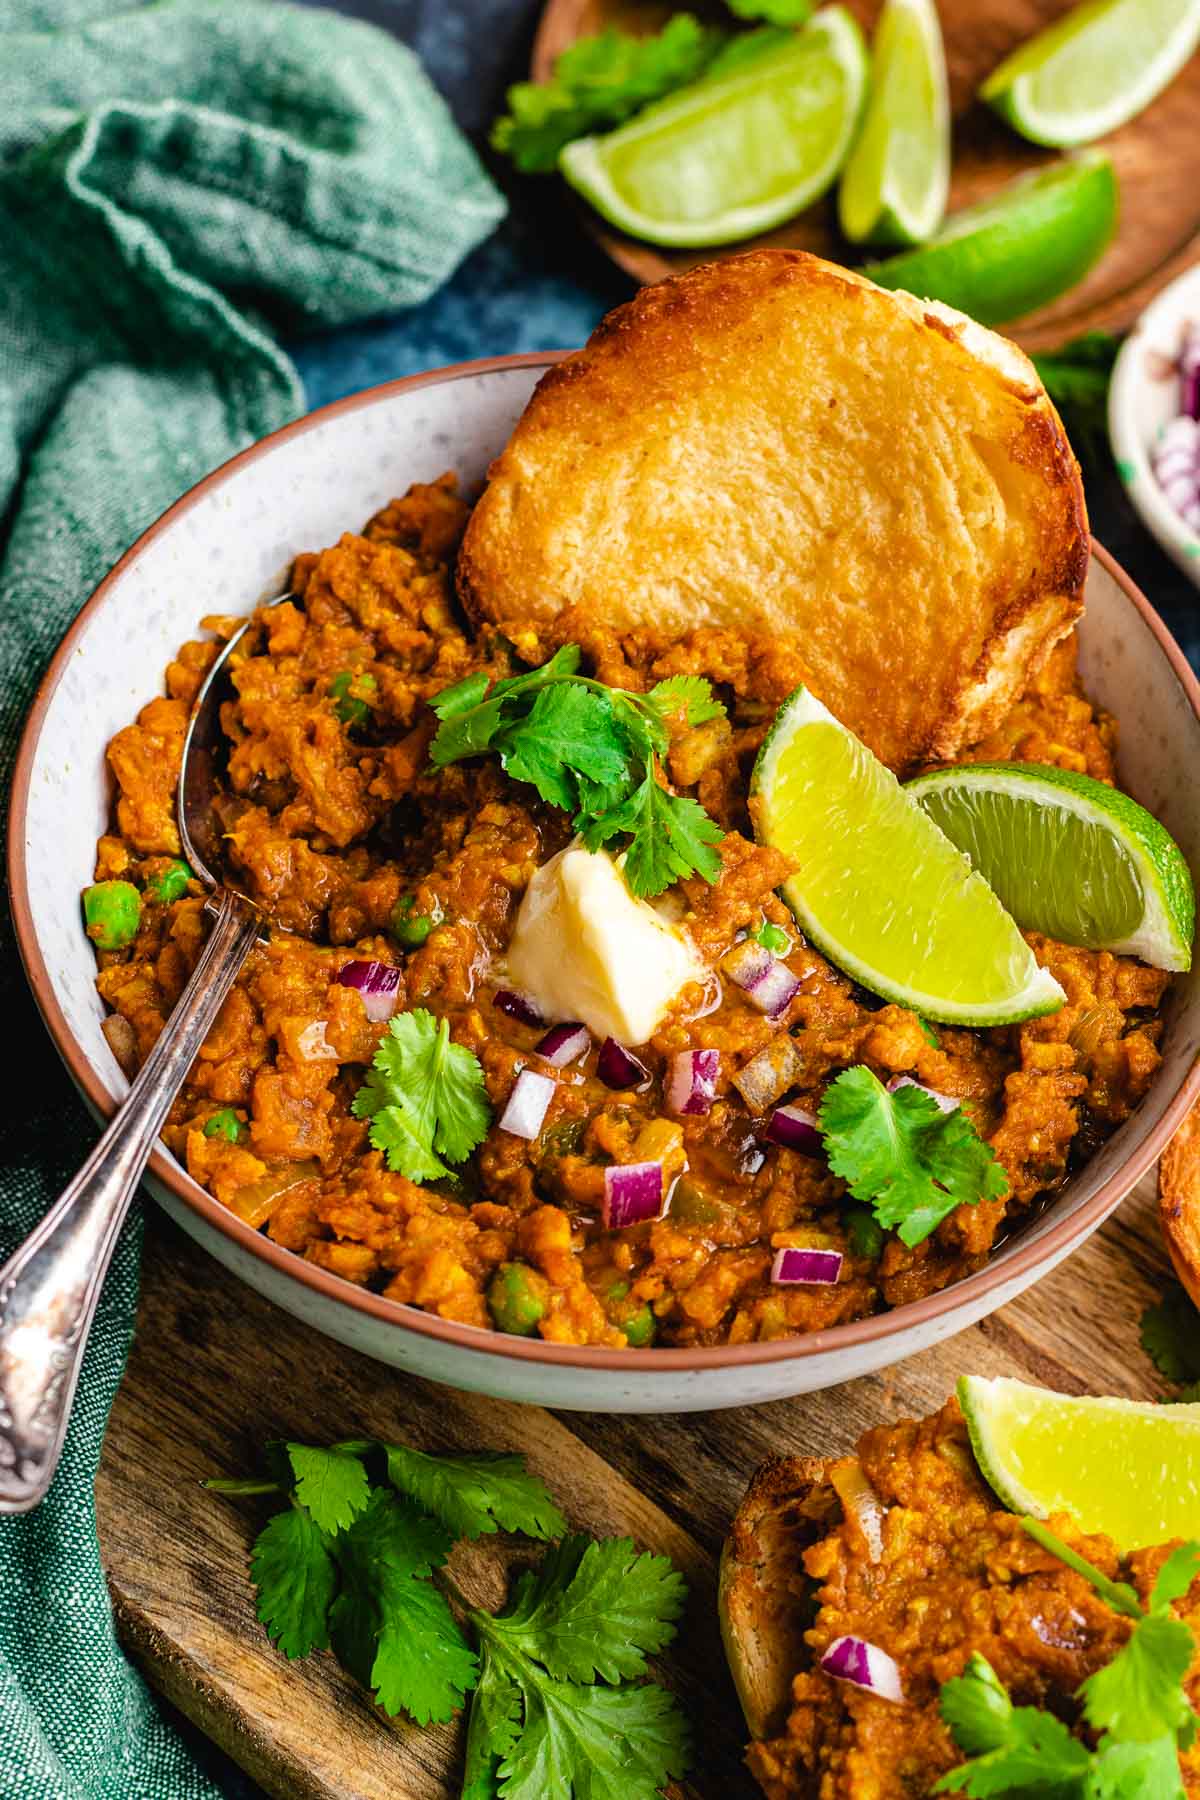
point(1068, 856)
point(1094, 69)
point(1128, 1468)
point(732, 154)
point(878, 888)
point(894, 186)
point(1017, 250)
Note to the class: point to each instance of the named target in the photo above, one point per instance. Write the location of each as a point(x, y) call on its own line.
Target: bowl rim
point(1058, 1240)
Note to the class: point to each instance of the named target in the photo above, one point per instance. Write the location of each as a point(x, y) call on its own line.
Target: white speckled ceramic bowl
point(230, 542)
point(1142, 397)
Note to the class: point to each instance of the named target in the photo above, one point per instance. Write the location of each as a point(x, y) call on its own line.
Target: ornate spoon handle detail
point(49, 1287)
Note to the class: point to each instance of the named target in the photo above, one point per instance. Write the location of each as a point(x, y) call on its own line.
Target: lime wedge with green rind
point(1094, 69)
point(894, 187)
point(878, 889)
point(1128, 1468)
point(1017, 250)
point(1069, 856)
point(735, 153)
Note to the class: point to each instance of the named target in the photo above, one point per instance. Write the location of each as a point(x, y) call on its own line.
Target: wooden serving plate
point(1156, 157)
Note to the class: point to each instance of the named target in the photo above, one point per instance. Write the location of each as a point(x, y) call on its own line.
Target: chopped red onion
point(378, 983)
point(746, 963)
point(692, 1081)
point(531, 1095)
point(774, 990)
point(617, 1068)
point(813, 1268)
point(1175, 459)
point(517, 1006)
point(864, 1665)
point(633, 1193)
point(945, 1103)
point(313, 1045)
point(796, 1129)
point(564, 1044)
point(1189, 371)
point(769, 1074)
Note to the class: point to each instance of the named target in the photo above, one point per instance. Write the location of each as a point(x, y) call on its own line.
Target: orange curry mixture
point(338, 826)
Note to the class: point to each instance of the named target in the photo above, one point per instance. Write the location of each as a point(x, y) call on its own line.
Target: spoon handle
point(50, 1286)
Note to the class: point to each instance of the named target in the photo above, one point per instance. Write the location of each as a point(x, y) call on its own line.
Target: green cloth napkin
point(178, 181)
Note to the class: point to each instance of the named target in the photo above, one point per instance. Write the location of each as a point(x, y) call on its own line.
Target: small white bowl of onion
point(1154, 419)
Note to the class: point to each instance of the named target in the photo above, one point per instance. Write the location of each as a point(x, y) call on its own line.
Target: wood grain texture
point(215, 1371)
point(1156, 157)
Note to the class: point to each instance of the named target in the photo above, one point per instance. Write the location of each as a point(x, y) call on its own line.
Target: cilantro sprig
point(594, 752)
point(1136, 1704)
point(425, 1097)
point(356, 1562)
point(1170, 1333)
point(904, 1157)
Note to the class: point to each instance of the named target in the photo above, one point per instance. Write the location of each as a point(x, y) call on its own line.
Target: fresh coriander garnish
point(928, 1033)
point(1136, 1703)
point(425, 1098)
point(352, 695)
point(593, 751)
point(1170, 1332)
point(356, 1562)
point(904, 1157)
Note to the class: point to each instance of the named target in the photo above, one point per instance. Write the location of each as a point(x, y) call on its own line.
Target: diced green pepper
point(224, 1124)
point(517, 1298)
point(407, 927)
point(112, 911)
point(348, 690)
point(172, 884)
point(865, 1234)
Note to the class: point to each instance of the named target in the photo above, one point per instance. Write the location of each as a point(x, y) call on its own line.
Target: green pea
point(112, 911)
point(517, 1298)
point(224, 1124)
point(773, 937)
point(172, 884)
point(619, 1290)
point(347, 690)
point(409, 928)
point(639, 1330)
point(865, 1234)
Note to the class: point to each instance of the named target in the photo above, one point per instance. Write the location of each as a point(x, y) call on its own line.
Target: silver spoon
point(50, 1286)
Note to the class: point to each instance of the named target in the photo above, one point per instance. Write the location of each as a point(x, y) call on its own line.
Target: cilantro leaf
point(424, 1094)
point(1076, 379)
point(294, 1572)
point(570, 728)
point(332, 1485)
point(389, 1627)
point(598, 82)
point(1170, 1333)
point(492, 1730)
point(1015, 1749)
point(593, 1609)
point(1139, 1696)
point(775, 12)
point(976, 1707)
point(672, 836)
point(686, 696)
point(903, 1156)
point(475, 1494)
point(928, 1033)
point(1134, 1771)
point(1176, 1576)
point(593, 1743)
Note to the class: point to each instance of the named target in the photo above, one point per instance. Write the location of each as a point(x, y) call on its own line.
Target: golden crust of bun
point(772, 444)
point(1179, 1202)
point(787, 1507)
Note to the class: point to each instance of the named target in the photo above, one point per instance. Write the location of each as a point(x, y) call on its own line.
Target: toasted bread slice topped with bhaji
point(775, 446)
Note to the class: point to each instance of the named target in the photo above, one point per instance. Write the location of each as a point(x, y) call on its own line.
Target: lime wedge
point(894, 186)
point(1128, 1468)
point(879, 890)
point(733, 154)
point(1017, 250)
point(1094, 69)
point(1069, 856)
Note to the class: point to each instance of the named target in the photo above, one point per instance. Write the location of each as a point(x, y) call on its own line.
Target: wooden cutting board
point(215, 1371)
point(1156, 157)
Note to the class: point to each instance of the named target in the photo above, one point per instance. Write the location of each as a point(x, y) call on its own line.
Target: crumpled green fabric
point(178, 182)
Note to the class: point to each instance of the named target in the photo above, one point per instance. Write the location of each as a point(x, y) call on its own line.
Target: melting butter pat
point(585, 948)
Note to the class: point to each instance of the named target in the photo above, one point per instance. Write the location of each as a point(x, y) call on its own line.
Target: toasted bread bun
point(1179, 1201)
point(761, 1591)
point(774, 445)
